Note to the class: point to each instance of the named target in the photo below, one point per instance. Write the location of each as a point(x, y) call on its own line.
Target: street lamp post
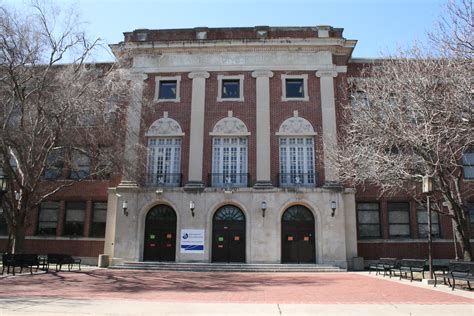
point(427, 187)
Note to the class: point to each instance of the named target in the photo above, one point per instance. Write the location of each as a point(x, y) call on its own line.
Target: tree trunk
point(464, 241)
point(18, 239)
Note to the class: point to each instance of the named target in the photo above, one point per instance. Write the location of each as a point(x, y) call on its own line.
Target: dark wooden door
point(228, 235)
point(160, 234)
point(297, 236)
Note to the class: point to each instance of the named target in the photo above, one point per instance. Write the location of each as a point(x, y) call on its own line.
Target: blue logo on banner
point(185, 236)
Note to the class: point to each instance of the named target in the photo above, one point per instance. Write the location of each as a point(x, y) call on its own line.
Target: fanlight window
point(161, 213)
point(229, 213)
point(298, 213)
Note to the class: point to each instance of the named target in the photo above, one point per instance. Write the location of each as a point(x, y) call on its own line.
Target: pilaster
point(263, 128)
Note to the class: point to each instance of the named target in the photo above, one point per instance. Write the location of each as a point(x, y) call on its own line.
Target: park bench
point(410, 266)
point(460, 271)
point(21, 261)
point(383, 264)
point(62, 259)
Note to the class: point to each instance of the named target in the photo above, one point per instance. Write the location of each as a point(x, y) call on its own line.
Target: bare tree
point(412, 115)
point(58, 114)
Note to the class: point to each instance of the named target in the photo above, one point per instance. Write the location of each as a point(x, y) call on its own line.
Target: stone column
point(263, 129)
point(196, 147)
point(328, 107)
point(132, 137)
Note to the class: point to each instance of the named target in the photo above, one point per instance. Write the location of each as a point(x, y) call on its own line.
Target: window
point(229, 162)
point(470, 208)
point(164, 161)
point(294, 88)
point(167, 89)
point(103, 163)
point(368, 218)
point(297, 161)
point(48, 218)
point(80, 165)
point(54, 164)
point(99, 218)
point(422, 221)
point(3, 224)
point(75, 215)
point(399, 219)
point(468, 163)
point(230, 88)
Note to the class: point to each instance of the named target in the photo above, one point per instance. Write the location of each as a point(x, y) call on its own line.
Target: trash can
point(103, 261)
point(358, 263)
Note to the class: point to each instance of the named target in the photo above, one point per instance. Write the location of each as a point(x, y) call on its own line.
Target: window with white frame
point(294, 88)
point(164, 161)
point(297, 161)
point(468, 163)
point(167, 89)
point(230, 88)
point(229, 161)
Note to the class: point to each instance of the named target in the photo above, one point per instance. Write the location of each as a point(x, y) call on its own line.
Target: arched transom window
point(164, 152)
point(296, 140)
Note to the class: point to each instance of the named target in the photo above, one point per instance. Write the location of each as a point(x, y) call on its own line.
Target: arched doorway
point(297, 235)
point(228, 235)
point(160, 234)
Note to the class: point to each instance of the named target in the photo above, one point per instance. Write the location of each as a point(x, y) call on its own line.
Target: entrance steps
point(226, 267)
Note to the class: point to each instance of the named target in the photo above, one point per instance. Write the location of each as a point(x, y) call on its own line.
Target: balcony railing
point(229, 180)
point(164, 180)
point(296, 179)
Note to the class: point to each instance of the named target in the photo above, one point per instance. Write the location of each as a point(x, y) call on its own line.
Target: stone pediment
point(296, 126)
point(230, 126)
point(164, 126)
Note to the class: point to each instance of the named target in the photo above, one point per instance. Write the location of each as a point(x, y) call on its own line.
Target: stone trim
point(198, 74)
point(220, 78)
point(157, 88)
point(230, 126)
point(305, 87)
point(165, 127)
point(262, 73)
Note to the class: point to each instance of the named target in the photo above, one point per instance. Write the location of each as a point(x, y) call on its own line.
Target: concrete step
point(226, 267)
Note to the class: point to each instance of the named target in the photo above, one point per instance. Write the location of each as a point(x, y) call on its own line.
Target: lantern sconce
point(333, 208)
point(125, 208)
point(263, 206)
point(191, 207)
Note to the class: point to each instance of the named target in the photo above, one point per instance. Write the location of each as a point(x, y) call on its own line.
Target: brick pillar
point(263, 129)
point(196, 147)
point(88, 218)
point(61, 218)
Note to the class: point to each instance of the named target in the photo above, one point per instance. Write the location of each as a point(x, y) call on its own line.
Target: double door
point(228, 242)
point(160, 242)
point(298, 244)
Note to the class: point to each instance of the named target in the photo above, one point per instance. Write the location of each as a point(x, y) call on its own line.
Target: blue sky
point(380, 26)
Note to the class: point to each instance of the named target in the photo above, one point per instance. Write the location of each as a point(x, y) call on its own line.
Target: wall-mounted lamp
point(263, 206)
point(333, 208)
point(125, 207)
point(191, 207)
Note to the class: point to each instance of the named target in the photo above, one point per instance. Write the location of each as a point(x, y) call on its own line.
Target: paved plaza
point(124, 292)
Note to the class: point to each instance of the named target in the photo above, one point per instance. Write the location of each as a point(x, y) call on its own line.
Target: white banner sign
point(192, 240)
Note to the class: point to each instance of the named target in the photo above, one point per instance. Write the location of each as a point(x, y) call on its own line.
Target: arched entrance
point(160, 234)
point(228, 235)
point(297, 235)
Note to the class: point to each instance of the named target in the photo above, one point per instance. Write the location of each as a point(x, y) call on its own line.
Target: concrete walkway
point(106, 292)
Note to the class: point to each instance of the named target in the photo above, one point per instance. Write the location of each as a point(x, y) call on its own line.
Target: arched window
point(297, 152)
point(229, 153)
point(164, 153)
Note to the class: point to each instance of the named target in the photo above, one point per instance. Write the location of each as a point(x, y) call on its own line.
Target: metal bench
point(21, 261)
point(62, 259)
point(383, 264)
point(410, 266)
point(460, 271)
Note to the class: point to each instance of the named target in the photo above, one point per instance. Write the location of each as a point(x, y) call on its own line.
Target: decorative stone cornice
point(198, 74)
point(262, 73)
